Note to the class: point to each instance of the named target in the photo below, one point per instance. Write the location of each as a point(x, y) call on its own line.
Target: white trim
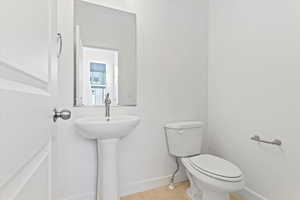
point(148, 184)
point(87, 196)
point(134, 187)
point(249, 194)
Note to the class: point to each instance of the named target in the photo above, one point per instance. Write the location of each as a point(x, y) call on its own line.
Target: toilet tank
point(184, 138)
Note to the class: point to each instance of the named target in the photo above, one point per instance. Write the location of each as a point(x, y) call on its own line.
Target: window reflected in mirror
point(99, 76)
point(98, 82)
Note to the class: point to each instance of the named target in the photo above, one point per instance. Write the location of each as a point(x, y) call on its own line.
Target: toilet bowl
point(211, 177)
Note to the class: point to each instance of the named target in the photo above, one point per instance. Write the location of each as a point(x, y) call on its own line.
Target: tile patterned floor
point(163, 193)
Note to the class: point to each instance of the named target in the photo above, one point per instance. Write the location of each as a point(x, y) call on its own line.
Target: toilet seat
point(215, 167)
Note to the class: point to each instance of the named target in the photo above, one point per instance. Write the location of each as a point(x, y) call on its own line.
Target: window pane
point(98, 73)
point(98, 82)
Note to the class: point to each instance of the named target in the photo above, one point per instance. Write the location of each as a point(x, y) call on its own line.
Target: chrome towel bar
point(274, 142)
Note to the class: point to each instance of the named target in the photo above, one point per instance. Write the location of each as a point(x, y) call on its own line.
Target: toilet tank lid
point(184, 125)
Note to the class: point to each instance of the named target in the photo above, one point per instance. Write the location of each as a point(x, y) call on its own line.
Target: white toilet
point(211, 177)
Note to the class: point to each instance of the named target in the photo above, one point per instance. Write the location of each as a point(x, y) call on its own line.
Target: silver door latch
point(63, 114)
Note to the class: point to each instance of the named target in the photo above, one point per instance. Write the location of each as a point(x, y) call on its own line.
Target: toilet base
point(206, 195)
point(193, 192)
point(199, 191)
point(194, 195)
point(206, 187)
point(213, 195)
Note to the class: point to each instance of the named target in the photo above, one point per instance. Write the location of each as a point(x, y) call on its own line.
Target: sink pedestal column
point(108, 179)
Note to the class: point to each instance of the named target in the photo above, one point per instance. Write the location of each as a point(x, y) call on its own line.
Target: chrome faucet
point(107, 107)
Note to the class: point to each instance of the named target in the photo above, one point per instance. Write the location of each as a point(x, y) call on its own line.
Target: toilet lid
point(216, 166)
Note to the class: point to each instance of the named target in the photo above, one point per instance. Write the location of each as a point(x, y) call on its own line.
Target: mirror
point(105, 52)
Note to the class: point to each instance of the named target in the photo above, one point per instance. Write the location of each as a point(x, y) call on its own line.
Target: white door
point(28, 61)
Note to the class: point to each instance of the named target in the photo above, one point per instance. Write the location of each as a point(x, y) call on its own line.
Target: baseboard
point(87, 196)
point(149, 184)
point(249, 194)
point(134, 187)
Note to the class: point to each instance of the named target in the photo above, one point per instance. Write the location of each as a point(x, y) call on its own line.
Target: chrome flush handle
point(63, 114)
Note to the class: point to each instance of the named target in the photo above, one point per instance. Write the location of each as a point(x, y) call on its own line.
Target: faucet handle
point(107, 99)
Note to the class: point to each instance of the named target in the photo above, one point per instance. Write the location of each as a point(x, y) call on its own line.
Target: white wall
point(254, 87)
point(172, 85)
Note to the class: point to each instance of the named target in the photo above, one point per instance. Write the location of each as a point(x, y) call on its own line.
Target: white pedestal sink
point(107, 134)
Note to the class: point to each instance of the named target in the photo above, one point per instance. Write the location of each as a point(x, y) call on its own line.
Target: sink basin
point(98, 128)
point(107, 134)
